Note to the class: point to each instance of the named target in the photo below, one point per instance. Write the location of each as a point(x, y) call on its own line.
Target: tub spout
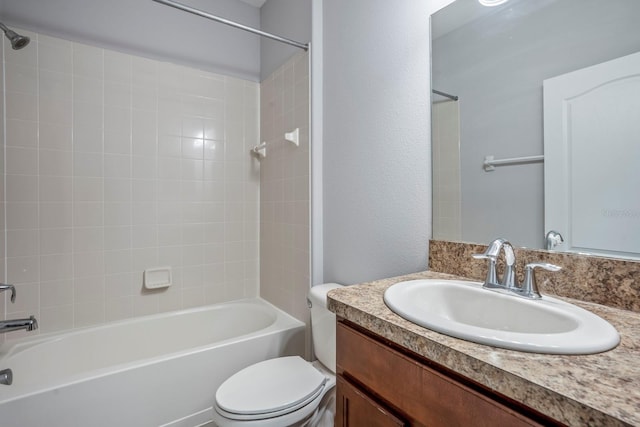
point(6, 377)
point(30, 324)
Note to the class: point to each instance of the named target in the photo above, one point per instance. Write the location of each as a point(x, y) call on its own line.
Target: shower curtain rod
point(198, 12)
point(446, 95)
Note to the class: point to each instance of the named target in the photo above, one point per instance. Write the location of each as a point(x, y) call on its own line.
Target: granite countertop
point(599, 389)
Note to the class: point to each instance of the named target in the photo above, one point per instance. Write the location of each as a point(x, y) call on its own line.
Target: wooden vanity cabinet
point(381, 384)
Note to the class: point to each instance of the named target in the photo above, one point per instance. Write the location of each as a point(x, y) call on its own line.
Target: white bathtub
point(159, 370)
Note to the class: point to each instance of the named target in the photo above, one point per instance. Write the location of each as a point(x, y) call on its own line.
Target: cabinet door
point(354, 409)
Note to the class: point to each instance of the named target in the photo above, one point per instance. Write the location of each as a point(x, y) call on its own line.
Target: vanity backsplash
point(608, 281)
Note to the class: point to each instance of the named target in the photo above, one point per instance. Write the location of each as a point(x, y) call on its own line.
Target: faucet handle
point(5, 287)
point(491, 280)
point(529, 287)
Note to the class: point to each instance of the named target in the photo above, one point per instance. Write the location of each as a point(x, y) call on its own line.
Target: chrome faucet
point(492, 253)
point(528, 288)
point(30, 324)
point(5, 287)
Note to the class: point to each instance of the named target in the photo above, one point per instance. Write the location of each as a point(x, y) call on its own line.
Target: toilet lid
point(271, 386)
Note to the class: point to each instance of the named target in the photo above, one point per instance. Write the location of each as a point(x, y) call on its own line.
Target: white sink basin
point(466, 310)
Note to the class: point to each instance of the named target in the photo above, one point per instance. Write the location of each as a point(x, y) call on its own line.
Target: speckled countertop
point(590, 390)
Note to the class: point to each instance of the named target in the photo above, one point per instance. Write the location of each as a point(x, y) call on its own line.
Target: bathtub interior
point(51, 361)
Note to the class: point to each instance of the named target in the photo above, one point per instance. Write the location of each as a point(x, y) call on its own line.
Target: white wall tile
point(54, 137)
point(169, 234)
point(144, 133)
point(52, 214)
point(23, 269)
point(169, 168)
point(144, 236)
point(88, 189)
point(117, 67)
point(56, 241)
point(117, 189)
point(58, 111)
point(117, 95)
point(88, 214)
point(144, 98)
point(56, 267)
point(115, 164)
point(53, 84)
point(22, 242)
point(55, 188)
point(87, 90)
point(88, 289)
point(21, 188)
point(142, 258)
point(29, 299)
point(21, 161)
point(117, 261)
point(118, 308)
point(22, 79)
point(22, 106)
point(55, 162)
point(144, 212)
point(87, 314)
point(87, 239)
point(87, 61)
point(145, 305)
point(144, 72)
point(21, 133)
point(145, 167)
point(117, 238)
point(169, 145)
point(144, 190)
point(56, 293)
point(117, 141)
point(117, 214)
point(284, 196)
point(54, 319)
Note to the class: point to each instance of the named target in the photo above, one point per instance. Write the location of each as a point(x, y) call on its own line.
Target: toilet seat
point(269, 389)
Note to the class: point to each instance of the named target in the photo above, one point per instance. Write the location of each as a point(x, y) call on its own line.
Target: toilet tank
point(323, 325)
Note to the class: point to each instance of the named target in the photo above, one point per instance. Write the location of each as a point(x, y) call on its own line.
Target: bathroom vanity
point(392, 372)
point(375, 375)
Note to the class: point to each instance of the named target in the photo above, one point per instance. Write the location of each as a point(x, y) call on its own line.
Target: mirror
point(494, 60)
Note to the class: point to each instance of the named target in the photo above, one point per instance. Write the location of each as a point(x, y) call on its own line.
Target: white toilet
point(286, 391)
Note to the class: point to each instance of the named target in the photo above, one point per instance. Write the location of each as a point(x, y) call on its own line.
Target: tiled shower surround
point(284, 188)
point(116, 163)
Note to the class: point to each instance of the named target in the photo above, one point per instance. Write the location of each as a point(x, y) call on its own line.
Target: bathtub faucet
point(5, 287)
point(30, 324)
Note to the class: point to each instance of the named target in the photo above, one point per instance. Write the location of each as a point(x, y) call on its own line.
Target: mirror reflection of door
point(592, 157)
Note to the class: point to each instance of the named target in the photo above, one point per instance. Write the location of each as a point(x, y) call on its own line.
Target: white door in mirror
point(591, 149)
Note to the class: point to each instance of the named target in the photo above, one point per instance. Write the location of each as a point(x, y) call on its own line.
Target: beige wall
point(114, 164)
point(284, 188)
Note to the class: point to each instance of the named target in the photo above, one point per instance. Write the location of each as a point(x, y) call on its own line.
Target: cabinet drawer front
point(428, 397)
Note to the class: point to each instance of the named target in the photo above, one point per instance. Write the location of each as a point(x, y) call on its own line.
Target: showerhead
point(17, 41)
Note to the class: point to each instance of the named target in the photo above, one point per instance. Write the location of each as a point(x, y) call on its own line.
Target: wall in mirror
point(495, 59)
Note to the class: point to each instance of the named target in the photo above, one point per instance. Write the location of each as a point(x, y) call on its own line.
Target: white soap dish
point(157, 278)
